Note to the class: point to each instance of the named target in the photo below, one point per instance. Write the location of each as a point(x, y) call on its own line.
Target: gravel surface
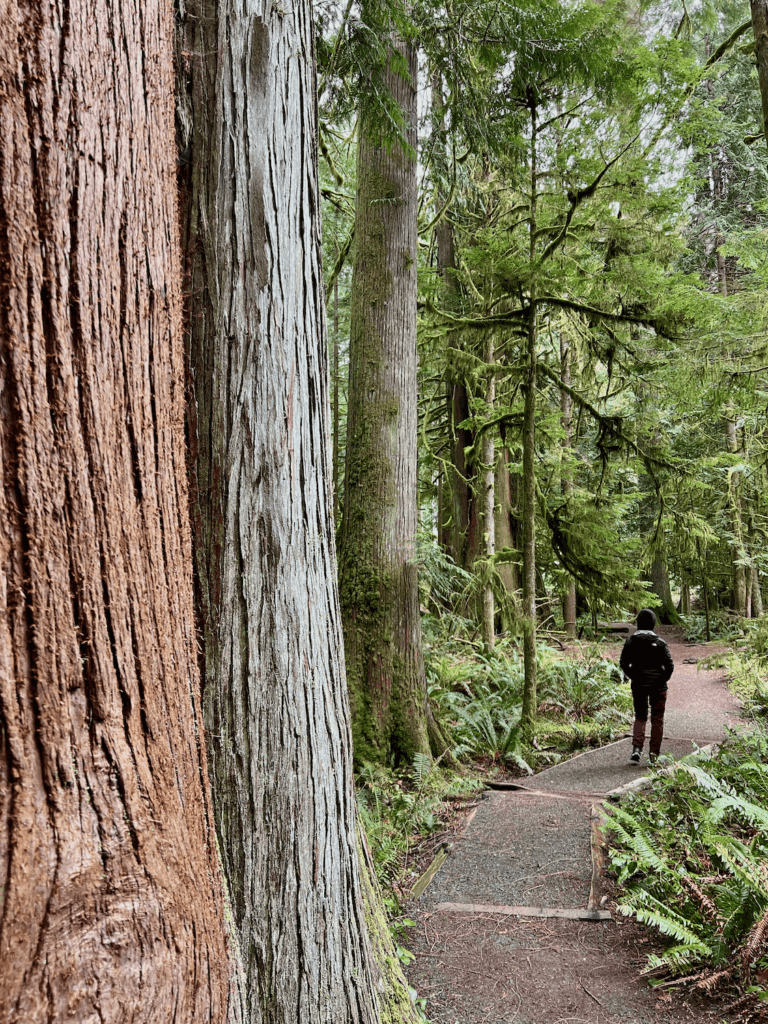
point(523, 849)
point(601, 770)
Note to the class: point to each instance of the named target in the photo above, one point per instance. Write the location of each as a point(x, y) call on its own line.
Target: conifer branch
point(578, 197)
point(724, 47)
point(610, 425)
point(340, 261)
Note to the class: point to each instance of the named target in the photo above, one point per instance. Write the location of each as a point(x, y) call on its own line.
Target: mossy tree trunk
point(276, 705)
point(459, 532)
point(378, 573)
point(566, 476)
point(666, 612)
point(529, 470)
point(759, 9)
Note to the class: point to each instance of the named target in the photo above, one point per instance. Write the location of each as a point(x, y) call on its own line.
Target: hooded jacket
point(645, 658)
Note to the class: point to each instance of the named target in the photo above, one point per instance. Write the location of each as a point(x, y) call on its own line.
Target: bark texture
point(275, 695)
point(759, 9)
point(489, 502)
point(379, 586)
point(566, 477)
point(112, 906)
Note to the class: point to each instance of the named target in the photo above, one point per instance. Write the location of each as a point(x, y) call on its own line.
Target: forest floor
point(476, 962)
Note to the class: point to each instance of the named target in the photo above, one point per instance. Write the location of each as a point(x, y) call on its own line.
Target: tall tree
point(379, 586)
point(275, 695)
point(112, 904)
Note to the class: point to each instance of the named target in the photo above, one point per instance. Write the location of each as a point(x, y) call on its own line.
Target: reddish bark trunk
point(112, 905)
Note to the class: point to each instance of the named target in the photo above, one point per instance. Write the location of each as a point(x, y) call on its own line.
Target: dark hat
point(646, 619)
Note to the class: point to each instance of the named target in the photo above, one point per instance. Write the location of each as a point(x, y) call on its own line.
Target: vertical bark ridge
point(275, 696)
point(111, 906)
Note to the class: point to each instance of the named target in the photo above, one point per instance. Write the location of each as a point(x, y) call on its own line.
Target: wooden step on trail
point(570, 914)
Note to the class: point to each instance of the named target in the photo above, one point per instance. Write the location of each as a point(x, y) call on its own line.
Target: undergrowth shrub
point(691, 861)
point(398, 808)
point(746, 665)
point(478, 698)
point(721, 628)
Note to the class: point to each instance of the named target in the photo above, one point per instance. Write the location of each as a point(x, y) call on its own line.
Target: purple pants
point(642, 698)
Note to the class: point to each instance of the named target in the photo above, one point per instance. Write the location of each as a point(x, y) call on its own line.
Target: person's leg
point(658, 699)
point(640, 702)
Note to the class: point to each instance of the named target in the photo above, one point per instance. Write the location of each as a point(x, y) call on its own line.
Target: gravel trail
point(533, 849)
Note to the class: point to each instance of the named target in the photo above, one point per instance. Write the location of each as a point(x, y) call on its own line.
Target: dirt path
point(478, 962)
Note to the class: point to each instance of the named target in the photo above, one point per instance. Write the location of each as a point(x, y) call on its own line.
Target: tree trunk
point(112, 900)
point(757, 596)
point(529, 475)
point(760, 29)
point(667, 613)
point(275, 695)
point(489, 501)
point(739, 588)
point(379, 587)
point(506, 537)
point(566, 477)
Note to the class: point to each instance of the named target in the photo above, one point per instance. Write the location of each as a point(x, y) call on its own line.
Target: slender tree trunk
point(489, 501)
point(275, 695)
point(112, 904)
point(566, 479)
point(460, 536)
point(529, 474)
point(739, 591)
point(760, 28)
point(379, 588)
point(506, 537)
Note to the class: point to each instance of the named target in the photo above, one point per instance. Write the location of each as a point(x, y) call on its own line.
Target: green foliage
point(479, 700)
point(397, 807)
point(721, 628)
point(690, 859)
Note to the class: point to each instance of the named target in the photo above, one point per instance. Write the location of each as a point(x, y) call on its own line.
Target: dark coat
point(645, 658)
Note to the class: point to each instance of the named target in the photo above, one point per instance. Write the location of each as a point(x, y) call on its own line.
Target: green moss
point(395, 1004)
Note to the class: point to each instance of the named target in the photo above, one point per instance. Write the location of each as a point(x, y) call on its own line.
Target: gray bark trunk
point(379, 587)
point(489, 501)
point(757, 596)
point(506, 537)
point(112, 903)
point(739, 590)
point(275, 694)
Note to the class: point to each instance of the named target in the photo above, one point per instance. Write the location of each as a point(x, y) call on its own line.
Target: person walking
point(646, 661)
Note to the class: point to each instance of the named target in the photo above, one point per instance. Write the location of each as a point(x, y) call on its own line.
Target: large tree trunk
point(667, 613)
point(760, 28)
point(112, 906)
point(379, 590)
point(275, 695)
